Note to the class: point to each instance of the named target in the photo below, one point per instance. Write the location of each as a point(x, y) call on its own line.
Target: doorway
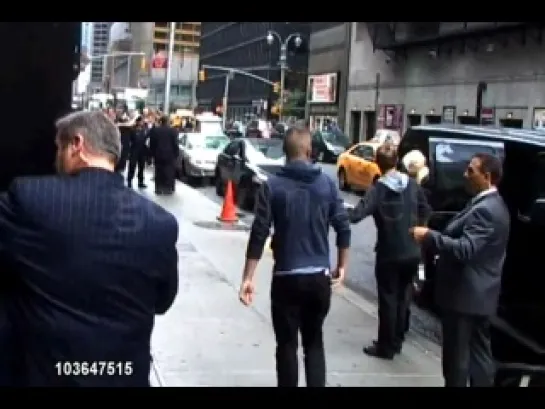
point(370, 124)
point(355, 126)
point(468, 120)
point(511, 123)
point(414, 119)
point(433, 119)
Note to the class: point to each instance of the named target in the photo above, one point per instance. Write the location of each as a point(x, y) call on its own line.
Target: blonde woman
point(415, 164)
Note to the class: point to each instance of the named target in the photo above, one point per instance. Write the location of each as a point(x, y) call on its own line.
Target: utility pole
point(283, 68)
point(168, 79)
point(230, 74)
point(228, 78)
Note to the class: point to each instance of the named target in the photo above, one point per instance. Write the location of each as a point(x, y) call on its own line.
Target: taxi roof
point(526, 136)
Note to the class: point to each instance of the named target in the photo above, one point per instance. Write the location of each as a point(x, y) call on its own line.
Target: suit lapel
point(470, 204)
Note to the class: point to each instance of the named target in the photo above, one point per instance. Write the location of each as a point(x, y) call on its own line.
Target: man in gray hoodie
point(396, 203)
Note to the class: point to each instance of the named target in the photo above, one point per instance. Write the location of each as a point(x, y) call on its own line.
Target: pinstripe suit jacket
point(92, 262)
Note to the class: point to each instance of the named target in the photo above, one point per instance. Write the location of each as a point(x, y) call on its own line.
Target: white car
point(198, 155)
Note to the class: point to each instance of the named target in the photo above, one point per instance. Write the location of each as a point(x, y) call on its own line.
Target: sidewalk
point(209, 339)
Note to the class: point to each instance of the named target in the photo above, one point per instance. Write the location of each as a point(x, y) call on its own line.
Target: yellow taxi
point(356, 168)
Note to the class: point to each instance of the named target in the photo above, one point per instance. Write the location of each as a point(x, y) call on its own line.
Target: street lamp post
point(168, 79)
point(271, 35)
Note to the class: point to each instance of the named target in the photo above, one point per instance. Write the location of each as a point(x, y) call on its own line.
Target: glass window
point(368, 153)
point(452, 156)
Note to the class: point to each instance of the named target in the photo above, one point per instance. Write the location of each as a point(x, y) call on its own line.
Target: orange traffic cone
point(228, 211)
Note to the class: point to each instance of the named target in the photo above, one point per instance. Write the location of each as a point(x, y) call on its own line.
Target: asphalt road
point(360, 274)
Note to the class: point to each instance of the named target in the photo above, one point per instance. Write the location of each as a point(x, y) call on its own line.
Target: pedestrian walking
point(95, 261)
point(396, 203)
point(471, 251)
point(301, 203)
point(164, 150)
point(138, 153)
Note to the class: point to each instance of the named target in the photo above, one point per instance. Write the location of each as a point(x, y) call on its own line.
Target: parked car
point(518, 339)
point(198, 155)
point(327, 146)
point(356, 168)
point(248, 162)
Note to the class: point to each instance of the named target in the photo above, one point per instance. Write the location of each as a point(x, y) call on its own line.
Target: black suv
point(518, 335)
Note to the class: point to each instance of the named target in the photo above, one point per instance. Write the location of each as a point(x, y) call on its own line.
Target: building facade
point(481, 73)
point(243, 45)
point(151, 38)
point(101, 35)
point(329, 51)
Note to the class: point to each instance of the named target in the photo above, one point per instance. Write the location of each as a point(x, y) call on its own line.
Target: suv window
point(232, 149)
point(450, 158)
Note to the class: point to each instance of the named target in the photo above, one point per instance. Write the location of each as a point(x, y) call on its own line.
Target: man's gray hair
point(98, 131)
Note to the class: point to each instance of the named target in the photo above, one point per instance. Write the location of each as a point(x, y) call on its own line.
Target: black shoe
point(142, 186)
point(396, 350)
point(376, 351)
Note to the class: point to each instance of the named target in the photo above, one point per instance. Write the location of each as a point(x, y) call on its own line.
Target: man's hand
point(337, 276)
point(246, 293)
point(418, 233)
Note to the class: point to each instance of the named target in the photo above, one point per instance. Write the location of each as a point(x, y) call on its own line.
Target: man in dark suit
point(138, 153)
point(93, 262)
point(471, 255)
point(164, 150)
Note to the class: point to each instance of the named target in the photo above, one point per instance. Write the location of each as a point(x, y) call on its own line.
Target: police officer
point(138, 153)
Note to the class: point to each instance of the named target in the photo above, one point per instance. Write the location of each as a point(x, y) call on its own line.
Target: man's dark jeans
point(393, 282)
point(300, 302)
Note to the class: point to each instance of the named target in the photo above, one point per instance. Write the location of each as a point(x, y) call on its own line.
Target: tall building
point(487, 73)
point(328, 73)
point(86, 50)
point(87, 37)
point(152, 39)
point(101, 34)
point(243, 45)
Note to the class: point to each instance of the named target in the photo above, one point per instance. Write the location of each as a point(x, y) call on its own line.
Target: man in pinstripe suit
point(92, 261)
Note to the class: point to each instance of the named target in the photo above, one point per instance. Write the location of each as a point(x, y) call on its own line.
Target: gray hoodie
point(396, 203)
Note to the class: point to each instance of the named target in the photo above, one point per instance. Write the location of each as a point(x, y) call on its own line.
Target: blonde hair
point(415, 164)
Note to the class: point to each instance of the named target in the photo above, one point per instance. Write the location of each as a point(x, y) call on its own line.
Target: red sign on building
point(159, 60)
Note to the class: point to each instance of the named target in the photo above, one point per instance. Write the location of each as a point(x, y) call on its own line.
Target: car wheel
point(220, 186)
point(343, 184)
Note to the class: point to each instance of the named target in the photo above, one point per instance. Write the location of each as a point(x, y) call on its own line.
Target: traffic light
point(276, 87)
point(202, 75)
